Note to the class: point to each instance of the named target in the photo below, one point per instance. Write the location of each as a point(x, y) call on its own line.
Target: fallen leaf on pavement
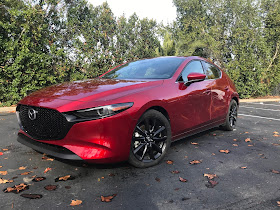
point(31, 196)
point(64, 178)
point(17, 188)
point(244, 167)
point(175, 172)
point(250, 145)
point(210, 176)
point(38, 179)
point(275, 144)
point(235, 145)
point(47, 169)
point(224, 151)
point(169, 162)
point(157, 179)
point(22, 168)
point(276, 135)
point(4, 149)
point(211, 183)
point(107, 198)
point(275, 172)
point(182, 179)
point(68, 187)
point(47, 158)
point(194, 143)
point(26, 173)
point(3, 181)
point(234, 139)
point(214, 134)
point(50, 187)
point(111, 174)
point(193, 162)
point(248, 140)
point(75, 202)
point(278, 203)
point(3, 172)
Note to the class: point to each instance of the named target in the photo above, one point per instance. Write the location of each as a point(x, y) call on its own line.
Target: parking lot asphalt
point(248, 177)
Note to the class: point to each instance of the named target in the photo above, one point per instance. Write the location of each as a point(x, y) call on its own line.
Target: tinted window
point(193, 66)
point(212, 71)
point(156, 68)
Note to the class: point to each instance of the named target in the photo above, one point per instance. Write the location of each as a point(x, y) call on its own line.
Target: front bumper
point(98, 141)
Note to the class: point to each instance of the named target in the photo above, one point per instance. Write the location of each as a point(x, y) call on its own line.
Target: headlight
point(97, 112)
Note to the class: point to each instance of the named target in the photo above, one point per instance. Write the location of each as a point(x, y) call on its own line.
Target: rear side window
point(212, 71)
point(193, 66)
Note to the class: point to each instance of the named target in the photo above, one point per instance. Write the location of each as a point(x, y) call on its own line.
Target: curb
point(260, 100)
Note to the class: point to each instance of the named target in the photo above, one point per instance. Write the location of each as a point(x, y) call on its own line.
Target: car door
point(219, 91)
point(194, 100)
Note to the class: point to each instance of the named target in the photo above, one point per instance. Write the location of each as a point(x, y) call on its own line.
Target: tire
point(231, 118)
point(150, 141)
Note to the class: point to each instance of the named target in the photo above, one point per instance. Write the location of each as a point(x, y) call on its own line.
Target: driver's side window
point(193, 66)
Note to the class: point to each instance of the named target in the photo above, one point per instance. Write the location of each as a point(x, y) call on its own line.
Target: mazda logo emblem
point(32, 114)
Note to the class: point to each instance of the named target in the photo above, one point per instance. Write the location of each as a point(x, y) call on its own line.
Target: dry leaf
point(213, 154)
point(75, 202)
point(275, 144)
point(47, 169)
point(50, 187)
point(234, 139)
point(169, 162)
point(214, 134)
point(275, 172)
point(38, 179)
point(194, 143)
point(111, 174)
point(224, 151)
point(32, 196)
point(246, 132)
point(248, 140)
point(157, 179)
point(107, 198)
point(210, 176)
point(211, 183)
point(175, 172)
point(26, 173)
point(3, 172)
point(244, 167)
point(68, 187)
point(5, 149)
point(17, 188)
point(193, 162)
point(47, 158)
point(250, 145)
point(64, 178)
point(1, 166)
point(22, 168)
point(182, 179)
point(236, 145)
point(278, 203)
point(276, 135)
point(275, 132)
point(3, 181)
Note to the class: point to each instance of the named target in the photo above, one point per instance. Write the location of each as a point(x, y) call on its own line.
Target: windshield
point(156, 68)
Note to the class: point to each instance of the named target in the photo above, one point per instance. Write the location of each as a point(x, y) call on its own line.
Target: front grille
point(47, 124)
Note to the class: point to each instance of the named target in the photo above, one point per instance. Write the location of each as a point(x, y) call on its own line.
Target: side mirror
point(195, 77)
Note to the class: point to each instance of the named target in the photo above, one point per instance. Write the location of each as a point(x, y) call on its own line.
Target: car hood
point(96, 91)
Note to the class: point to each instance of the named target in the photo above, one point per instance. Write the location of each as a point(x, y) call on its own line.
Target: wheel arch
point(161, 110)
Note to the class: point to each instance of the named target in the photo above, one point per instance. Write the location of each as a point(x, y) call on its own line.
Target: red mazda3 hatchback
point(132, 112)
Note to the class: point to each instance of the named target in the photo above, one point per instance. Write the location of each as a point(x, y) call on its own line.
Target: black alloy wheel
point(151, 140)
point(231, 118)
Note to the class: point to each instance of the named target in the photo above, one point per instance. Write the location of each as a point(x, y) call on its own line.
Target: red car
point(133, 112)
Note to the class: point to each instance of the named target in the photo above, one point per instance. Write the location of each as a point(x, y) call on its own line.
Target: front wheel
point(231, 118)
point(150, 141)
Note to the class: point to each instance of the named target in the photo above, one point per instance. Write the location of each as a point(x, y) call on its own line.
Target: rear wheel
point(151, 139)
point(231, 118)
